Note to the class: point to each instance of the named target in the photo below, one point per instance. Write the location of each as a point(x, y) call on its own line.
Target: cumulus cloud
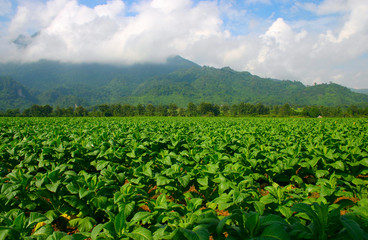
point(151, 30)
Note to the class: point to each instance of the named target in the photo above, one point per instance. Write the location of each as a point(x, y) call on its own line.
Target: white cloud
point(328, 48)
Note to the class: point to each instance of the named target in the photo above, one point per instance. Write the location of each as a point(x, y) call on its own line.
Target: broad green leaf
point(4, 233)
point(120, 222)
point(275, 231)
point(59, 236)
point(84, 192)
point(52, 187)
point(96, 231)
point(353, 228)
point(199, 234)
point(141, 234)
point(184, 181)
point(338, 165)
point(222, 223)
point(161, 202)
point(203, 181)
point(161, 180)
point(140, 216)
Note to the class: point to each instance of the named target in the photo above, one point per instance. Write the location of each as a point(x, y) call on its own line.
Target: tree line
point(192, 110)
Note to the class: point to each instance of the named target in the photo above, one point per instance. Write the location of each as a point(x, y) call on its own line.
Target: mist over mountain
point(178, 81)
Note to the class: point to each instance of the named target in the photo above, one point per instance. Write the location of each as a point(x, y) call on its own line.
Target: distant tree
point(68, 112)
point(181, 112)
point(128, 110)
point(26, 112)
point(150, 110)
point(192, 110)
point(225, 109)
point(285, 110)
point(58, 112)
point(105, 110)
point(117, 110)
point(46, 111)
point(12, 112)
point(161, 110)
point(208, 109)
point(80, 111)
point(173, 110)
point(261, 109)
point(234, 110)
point(311, 111)
point(140, 109)
point(353, 110)
point(275, 110)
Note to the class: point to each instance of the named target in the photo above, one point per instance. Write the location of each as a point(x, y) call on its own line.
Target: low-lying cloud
point(330, 47)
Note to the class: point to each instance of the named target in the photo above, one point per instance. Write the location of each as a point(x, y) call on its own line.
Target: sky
point(311, 41)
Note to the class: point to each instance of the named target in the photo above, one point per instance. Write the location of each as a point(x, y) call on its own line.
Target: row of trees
point(192, 110)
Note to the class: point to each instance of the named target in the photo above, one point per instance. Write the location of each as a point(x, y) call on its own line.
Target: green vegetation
point(192, 110)
point(183, 178)
point(177, 81)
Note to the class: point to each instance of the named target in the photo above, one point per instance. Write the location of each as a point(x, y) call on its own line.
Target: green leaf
point(128, 209)
point(147, 170)
point(252, 222)
point(184, 181)
point(321, 173)
point(161, 180)
point(140, 234)
point(221, 224)
point(199, 234)
point(338, 165)
point(131, 154)
point(19, 222)
point(101, 164)
point(285, 211)
point(364, 162)
point(84, 192)
point(59, 236)
point(318, 220)
point(161, 202)
point(44, 231)
point(72, 188)
point(4, 233)
point(120, 222)
point(353, 228)
point(52, 187)
point(203, 181)
point(84, 224)
point(275, 231)
point(35, 218)
point(139, 216)
point(96, 231)
point(259, 207)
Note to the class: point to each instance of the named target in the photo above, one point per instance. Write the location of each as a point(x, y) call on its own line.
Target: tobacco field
point(183, 178)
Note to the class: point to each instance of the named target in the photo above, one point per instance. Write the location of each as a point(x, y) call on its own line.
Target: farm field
point(183, 178)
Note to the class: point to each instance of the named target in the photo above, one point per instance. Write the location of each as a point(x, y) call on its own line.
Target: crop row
point(162, 178)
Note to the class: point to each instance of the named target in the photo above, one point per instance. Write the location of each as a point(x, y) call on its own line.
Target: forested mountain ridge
point(178, 81)
point(14, 95)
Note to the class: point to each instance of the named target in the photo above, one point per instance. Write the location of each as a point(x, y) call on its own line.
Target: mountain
point(364, 90)
point(14, 95)
point(178, 81)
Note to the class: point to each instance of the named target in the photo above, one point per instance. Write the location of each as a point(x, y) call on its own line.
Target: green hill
point(176, 81)
point(13, 95)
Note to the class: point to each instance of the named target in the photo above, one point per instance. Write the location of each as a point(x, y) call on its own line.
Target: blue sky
point(312, 41)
